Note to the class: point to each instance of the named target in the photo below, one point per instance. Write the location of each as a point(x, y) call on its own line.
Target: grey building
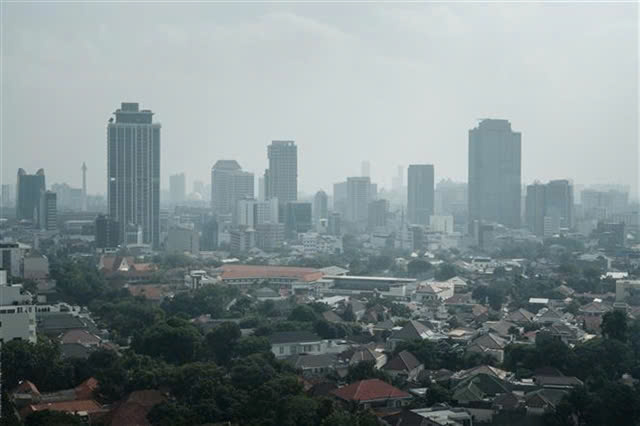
point(229, 183)
point(209, 235)
point(358, 198)
point(495, 173)
point(281, 178)
point(29, 188)
point(549, 207)
point(48, 211)
point(320, 206)
point(297, 218)
point(133, 171)
point(340, 198)
point(420, 193)
point(535, 208)
point(107, 232)
point(378, 214)
point(269, 236)
point(178, 188)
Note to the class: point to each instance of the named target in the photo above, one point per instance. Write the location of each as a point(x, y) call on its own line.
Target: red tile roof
point(27, 387)
point(88, 405)
point(80, 336)
point(86, 389)
point(369, 390)
point(133, 411)
point(258, 272)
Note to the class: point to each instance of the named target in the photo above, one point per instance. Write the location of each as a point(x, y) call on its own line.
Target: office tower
point(29, 188)
point(133, 171)
point(340, 198)
point(7, 195)
point(269, 236)
point(209, 236)
point(608, 202)
point(281, 178)
point(261, 189)
point(548, 208)
point(229, 183)
point(535, 208)
point(378, 213)
point(420, 193)
point(177, 188)
point(320, 206)
point(68, 198)
point(494, 173)
point(183, 239)
point(334, 224)
point(47, 211)
point(365, 169)
point(559, 202)
point(297, 218)
point(107, 232)
point(84, 187)
point(358, 197)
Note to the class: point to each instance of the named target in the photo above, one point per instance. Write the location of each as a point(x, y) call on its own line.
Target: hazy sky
point(390, 83)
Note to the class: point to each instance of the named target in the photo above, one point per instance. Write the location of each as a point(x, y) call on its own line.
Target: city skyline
point(541, 86)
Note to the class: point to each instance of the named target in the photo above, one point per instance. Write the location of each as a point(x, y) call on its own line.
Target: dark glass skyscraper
point(495, 173)
point(281, 178)
point(420, 193)
point(133, 171)
point(29, 188)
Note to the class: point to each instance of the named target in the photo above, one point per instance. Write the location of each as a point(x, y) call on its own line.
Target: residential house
point(287, 343)
point(405, 365)
point(592, 314)
point(412, 330)
point(489, 344)
point(543, 401)
point(314, 365)
point(520, 317)
point(372, 394)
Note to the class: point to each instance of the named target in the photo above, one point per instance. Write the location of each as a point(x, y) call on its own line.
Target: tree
point(221, 341)
point(614, 325)
point(175, 341)
point(364, 370)
point(303, 313)
point(417, 267)
point(445, 271)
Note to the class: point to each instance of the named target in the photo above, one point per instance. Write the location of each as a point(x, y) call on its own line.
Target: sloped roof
point(490, 341)
point(26, 386)
point(313, 361)
point(403, 361)
point(369, 390)
point(521, 315)
point(501, 327)
point(481, 369)
point(86, 389)
point(79, 336)
point(331, 316)
point(88, 405)
point(412, 330)
point(133, 411)
point(293, 337)
point(235, 271)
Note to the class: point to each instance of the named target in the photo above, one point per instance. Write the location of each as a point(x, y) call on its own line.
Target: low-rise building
point(373, 394)
point(287, 343)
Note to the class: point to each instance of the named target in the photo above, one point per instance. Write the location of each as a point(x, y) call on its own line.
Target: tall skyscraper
point(559, 201)
point(495, 173)
point(297, 218)
point(133, 171)
point(535, 208)
point(178, 188)
point(340, 198)
point(549, 207)
point(47, 211)
point(420, 193)
point(358, 197)
point(229, 183)
point(320, 206)
point(281, 178)
point(378, 213)
point(29, 188)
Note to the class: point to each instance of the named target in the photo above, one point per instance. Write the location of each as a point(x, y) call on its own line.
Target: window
point(281, 350)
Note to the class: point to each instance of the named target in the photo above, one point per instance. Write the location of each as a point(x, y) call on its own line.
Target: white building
point(442, 224)
point(36, 267)
point(314, 243)
point(17, 315)
point(11, 258)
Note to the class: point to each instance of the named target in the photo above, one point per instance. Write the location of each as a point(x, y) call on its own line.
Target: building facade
point(229, 183)
point(420, 193)
point(178, 188)
point(320, 206)
point(29, 188)
point(133, 171)
point(48, 211)
point(107, 232)
point(358, 198)
point(281, 178)
point(495, 173)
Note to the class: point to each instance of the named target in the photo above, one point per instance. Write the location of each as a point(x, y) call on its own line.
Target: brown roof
point(258, 272)
point(88, 405)
point(369, 390)
point(86, 389)
point(148, 291)
point(404, 361)
point(133, 411)
point(27, 386)
point(79, 336)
